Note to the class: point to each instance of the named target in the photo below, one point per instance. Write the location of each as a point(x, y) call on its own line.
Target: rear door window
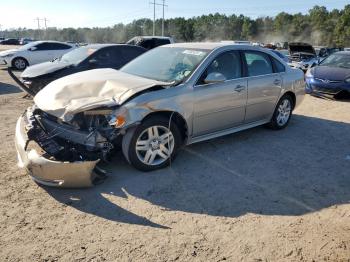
point(161, 42)
point(258, 63)
point(129, 52)
point(279, 67)
point(105, 56)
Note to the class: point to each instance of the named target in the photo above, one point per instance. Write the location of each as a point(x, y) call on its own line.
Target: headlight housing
point(8, 55)
point(347, 80)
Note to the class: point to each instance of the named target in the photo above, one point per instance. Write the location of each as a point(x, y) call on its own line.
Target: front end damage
point(64, 154)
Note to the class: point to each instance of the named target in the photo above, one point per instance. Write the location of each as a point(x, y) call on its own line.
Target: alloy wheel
point(20, 64)
point(284, 112)
point(155, 145)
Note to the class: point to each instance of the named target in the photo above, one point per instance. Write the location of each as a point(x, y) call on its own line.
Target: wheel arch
point(292, 95)
point(17, 57)
point(178, 119)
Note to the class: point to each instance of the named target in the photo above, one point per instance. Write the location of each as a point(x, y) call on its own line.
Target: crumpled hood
point(91, 89)
point(11, 51)
point(43, 69)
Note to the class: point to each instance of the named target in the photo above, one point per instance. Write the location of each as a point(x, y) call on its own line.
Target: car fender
point(166, 100)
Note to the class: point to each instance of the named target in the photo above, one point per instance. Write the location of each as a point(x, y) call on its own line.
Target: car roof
point(99, 46)
point(342, 52)
point(150, 37)
point(214, 45)
point(51, 41)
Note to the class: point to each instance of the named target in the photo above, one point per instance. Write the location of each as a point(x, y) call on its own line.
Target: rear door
point(220, 106)
point(264, 86)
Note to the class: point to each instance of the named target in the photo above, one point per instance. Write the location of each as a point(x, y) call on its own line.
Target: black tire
point(133, 134)
point(20, 63)
point(275, 124)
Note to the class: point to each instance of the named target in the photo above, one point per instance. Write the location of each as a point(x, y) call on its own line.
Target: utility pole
point(154, 3)
point(45, 21)
point(154, 16)
point(38, 21)
point(163, 18)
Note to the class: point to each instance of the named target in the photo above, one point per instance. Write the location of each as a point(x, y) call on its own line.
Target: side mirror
point(214, 77)
point(93, 62)
point(33, 48)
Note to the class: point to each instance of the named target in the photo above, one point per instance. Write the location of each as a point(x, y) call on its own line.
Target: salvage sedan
point(331, 77)
point(36, 77)
point(169, 97)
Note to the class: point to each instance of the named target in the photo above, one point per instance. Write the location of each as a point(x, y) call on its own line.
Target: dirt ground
point(257, 195)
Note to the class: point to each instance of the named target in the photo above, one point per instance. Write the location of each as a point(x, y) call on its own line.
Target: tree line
point(319, 27)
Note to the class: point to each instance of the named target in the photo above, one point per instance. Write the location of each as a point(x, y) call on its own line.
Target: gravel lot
point(257, 195)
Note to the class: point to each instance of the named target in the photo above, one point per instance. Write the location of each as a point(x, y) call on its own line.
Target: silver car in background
point(169, 97)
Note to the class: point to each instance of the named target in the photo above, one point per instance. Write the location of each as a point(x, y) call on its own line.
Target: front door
point(220, 105)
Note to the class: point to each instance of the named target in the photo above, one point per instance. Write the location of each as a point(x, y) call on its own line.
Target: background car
point(35, 77)
point(34, 53)
point(25, 41)
point(281, 55)
point(150, 42)
point(302, 56)
point(10, 41)
point(331, 76)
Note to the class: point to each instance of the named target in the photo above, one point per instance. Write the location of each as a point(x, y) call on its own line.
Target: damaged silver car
point(171, 96)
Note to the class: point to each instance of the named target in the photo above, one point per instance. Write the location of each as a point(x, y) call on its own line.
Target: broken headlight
point(115, 118)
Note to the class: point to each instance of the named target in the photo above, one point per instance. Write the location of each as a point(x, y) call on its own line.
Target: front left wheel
point(153, 144)
point(20, 63)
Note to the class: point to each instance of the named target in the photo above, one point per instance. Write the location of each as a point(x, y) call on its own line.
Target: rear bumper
point(50, 172)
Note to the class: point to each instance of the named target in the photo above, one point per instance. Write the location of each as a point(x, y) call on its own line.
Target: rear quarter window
point(279, 67)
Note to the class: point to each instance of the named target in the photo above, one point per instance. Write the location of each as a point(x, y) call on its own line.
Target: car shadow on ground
point(295, 171)
point(6, 89)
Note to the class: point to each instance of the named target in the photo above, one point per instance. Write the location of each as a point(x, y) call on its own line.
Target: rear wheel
point(152, 145)
point(282, 114)
point(20, 63)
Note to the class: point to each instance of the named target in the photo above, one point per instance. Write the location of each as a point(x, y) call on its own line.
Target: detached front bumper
point(50, 172)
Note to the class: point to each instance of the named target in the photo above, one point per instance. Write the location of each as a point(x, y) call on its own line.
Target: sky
point(102, 13)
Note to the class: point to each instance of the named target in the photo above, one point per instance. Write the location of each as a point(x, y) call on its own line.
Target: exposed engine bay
point(89, 136)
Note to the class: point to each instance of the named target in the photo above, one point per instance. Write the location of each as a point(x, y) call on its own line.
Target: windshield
point(167, 64)
point(337, 60)
point(77, 55)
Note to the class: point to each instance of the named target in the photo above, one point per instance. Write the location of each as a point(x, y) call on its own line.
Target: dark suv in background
point(150, 42)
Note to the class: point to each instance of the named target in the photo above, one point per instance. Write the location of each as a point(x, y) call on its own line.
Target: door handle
point(239, 88)
point(277, 82)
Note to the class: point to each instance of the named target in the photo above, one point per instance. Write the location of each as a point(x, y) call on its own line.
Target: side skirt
point(226, 131)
